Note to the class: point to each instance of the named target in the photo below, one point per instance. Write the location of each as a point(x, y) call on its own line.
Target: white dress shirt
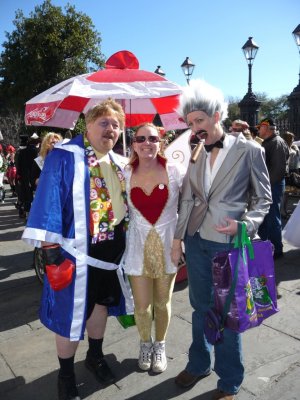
point(210, 173)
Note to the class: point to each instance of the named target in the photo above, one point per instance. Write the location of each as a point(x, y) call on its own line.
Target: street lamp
point(250, 49)
point(296, 34)
point(188, 69)
point(159, 71)
point(249, 105)
point(294, 97)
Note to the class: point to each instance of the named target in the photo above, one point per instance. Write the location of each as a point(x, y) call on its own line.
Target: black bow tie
point(218, 144)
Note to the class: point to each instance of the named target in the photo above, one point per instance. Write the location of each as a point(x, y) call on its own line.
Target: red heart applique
point(152, 205)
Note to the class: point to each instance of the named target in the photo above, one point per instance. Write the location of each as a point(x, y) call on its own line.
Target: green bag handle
point(241, 241)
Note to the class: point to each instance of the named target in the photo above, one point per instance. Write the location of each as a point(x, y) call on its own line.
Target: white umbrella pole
point(124, 143)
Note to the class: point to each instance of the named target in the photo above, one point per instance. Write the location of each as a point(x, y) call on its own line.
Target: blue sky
point(211, 33)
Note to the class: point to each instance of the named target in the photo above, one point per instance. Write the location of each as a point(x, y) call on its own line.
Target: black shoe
point(67, 389)
point(100, 369)
point(278, 255)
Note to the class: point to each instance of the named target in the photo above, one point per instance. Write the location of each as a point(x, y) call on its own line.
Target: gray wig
point(201, 96)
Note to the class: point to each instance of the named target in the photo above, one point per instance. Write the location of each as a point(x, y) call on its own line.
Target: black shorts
point(103, 286)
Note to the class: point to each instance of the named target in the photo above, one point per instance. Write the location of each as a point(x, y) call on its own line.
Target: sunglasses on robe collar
point(142, 139)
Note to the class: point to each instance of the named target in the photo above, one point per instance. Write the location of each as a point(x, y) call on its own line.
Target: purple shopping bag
point(254, 297)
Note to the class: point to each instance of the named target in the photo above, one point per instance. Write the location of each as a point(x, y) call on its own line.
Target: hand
point(176, 252)
point(59, 269)
point(230, 227)
point(182, 262)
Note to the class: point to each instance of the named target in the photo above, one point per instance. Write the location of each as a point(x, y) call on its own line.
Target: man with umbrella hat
point(79, 216)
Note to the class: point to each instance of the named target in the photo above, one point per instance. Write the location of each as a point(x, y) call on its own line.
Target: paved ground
point(28, 364)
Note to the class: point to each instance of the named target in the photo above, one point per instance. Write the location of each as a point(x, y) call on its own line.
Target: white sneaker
point(159, 357)
point(145, 357)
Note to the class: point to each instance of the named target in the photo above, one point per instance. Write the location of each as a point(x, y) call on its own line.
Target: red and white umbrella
point(142, 94)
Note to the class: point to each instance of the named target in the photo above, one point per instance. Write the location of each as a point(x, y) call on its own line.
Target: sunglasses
point(142, 139)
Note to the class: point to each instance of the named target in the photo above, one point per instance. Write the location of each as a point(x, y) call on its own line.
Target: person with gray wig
point(228, 172)
point(208, 99)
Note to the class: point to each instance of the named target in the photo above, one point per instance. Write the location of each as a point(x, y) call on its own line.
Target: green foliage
point(273, 108)
point(79, 127)
point(44, 49)
point(169, 136)
point(233, 111)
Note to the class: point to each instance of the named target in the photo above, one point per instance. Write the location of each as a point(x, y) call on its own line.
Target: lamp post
point(249, 105)
point(188, 68)
point(296, 34)
point(159, 71)
point(250, 49)
point(294, 97)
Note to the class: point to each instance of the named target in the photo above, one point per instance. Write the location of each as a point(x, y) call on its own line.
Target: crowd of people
point(114, 231)
point(21, 168)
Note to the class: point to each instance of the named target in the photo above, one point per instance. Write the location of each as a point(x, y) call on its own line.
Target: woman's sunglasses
point(142, 139)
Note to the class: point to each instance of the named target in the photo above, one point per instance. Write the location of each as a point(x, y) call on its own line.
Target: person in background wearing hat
point(24, 165)
point(23, 144)
point(294, 152)
point(229, 174)
point(277, 154)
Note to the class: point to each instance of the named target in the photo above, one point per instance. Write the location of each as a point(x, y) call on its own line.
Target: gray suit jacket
point(241, 190)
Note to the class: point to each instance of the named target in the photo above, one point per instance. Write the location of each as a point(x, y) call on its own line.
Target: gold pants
point(152, 298)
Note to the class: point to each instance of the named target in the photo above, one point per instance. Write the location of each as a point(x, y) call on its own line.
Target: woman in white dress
point(153, 187)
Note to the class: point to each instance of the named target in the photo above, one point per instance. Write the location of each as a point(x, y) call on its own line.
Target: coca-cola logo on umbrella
point(40, 113)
